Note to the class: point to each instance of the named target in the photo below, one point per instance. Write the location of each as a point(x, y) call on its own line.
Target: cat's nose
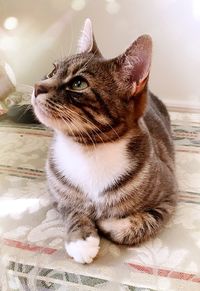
point(40, 89)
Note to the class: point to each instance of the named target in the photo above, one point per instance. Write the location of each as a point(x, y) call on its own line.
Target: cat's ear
point(87, 41)
point(134, 64)
point(133, 69)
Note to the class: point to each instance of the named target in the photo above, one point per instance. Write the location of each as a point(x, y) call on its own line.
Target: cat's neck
point(107, 134)
point(92, 168)
point(88, 148)
point(98, 143)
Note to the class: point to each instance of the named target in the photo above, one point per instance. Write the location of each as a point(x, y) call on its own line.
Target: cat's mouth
point(42, 112)
point(49, 115)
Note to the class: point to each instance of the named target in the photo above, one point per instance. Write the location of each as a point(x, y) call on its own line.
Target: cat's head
point(92, 98)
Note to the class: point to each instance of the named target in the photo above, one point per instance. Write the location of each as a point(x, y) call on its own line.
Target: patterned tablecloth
point(32, 253)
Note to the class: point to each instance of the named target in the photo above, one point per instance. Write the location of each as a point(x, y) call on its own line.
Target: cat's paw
point(83, 251)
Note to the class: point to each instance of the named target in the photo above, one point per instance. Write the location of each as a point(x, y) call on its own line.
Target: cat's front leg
point(81, 239)
point(137, 228)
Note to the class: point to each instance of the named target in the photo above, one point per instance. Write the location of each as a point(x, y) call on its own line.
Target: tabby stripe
point(74, 225)
point(87, 73)
point(103, 105)
point(81, 104)
point(67, 210)
point(157, 215)
point(125, 179)
point(78, 68)
point(100, 134)
point(59, 176)
point(56, 173)
point(139, 151)
point(91, 117)
point(72, 96)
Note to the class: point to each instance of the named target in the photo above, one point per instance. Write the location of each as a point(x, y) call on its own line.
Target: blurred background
point(35, 33)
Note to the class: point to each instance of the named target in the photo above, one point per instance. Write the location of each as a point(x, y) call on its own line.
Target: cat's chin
point(44, 118)
point(49, 121)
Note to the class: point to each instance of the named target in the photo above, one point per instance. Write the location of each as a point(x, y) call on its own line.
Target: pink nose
point(40, 89)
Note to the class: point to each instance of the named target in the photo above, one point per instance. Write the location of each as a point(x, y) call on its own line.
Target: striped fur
point(111, 164)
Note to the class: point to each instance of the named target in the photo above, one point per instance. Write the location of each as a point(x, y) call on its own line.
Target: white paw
point(83, 251)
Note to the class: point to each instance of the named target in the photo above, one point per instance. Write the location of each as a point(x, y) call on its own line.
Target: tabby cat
point(110, 167)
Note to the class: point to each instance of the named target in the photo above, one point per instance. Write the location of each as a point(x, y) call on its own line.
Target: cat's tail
point(22, 114)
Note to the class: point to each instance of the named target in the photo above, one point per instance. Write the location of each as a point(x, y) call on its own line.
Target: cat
point(110, 168)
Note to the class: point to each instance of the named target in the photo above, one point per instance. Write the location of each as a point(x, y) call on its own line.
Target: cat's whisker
point(79, 131)
point(25, 111)
point(61, 53)
point(90, 59)
point(95, 128)
point(59, 112)
point(89, 136)
point(114, 131)
point(84, 118)
point(87, 120)
point(68, 125)
point(75, 114)
point(93, 143)
point(72, 39)
point(60, 115)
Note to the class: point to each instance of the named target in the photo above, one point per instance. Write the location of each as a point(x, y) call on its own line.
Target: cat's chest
point(94, 170)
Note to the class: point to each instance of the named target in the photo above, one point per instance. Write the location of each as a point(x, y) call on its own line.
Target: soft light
point(9, 43)
point(10, 23)
point(10, 74)
point(196, 9)
point(14, 207)
point(78, 4)
point(112, 7)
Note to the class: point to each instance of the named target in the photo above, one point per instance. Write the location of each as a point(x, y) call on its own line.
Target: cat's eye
point(78, 84)
point(53, 72)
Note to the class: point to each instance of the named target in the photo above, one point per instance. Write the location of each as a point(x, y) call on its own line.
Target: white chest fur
point(91, 170)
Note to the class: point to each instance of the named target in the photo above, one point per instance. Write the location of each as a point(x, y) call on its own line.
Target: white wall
point(48, 29)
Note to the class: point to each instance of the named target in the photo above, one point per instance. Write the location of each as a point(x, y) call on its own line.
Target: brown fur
point(116, 105)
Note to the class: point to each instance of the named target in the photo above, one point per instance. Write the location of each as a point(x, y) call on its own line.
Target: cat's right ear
point(87, 43)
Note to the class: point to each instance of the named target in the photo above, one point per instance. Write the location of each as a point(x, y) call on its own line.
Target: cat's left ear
point(87, 43)
point(132, 68)
point(134, 64)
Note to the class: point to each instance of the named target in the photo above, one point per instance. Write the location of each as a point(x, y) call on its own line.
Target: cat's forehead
point(72, 65)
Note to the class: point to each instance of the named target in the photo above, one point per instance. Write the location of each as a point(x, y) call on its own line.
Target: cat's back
point(157, 120)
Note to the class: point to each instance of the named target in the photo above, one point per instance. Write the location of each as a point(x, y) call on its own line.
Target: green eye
point(78, 84)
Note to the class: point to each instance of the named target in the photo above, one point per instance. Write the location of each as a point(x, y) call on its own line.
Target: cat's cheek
point(83, 251)
point(49, 122)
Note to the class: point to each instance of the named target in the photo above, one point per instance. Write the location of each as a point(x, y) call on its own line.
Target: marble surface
point(32, 252)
